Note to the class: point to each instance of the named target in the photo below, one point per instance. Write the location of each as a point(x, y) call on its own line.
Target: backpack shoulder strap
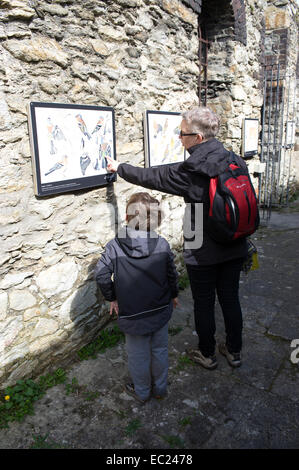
point(238, 160)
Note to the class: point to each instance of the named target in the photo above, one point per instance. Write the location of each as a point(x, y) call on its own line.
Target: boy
point(143, 292)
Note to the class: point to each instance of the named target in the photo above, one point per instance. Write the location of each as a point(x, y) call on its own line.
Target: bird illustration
point(157, 128)
point(57, 166)
point(177, 131)
point(98, 125)
point(84, 162)
point(58, 134)
point(50, 128)
point(82, 126)
point(165, 127)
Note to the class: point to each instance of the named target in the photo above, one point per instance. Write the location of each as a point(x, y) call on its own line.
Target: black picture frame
point(69, 144)
point(161, 138)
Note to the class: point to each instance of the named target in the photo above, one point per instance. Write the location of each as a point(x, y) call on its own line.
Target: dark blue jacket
point(144, 282)
point(190, 180)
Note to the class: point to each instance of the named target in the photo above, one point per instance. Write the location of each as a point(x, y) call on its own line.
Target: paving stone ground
point(253, 407)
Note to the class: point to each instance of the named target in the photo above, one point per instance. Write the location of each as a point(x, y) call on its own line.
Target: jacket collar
point(204, 147)
point(208, 158)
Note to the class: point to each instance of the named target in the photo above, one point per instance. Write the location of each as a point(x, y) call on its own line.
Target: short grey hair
point(203, 121)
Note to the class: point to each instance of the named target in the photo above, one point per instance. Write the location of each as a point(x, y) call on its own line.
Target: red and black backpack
point(233, 212)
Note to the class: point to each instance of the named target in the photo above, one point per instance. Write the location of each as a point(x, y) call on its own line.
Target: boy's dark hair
point(143, 212)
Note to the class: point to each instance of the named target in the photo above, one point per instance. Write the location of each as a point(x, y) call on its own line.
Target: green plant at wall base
point(89, 396)
point(72, 387)
point(42, 442)
point(132, 427)
point(18, 401)
point(174, 441)
point(185, 421)
point(183, 361)
point(107, 339)
point(50, 380)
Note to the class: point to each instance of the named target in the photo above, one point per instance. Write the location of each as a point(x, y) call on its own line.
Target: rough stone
point(58, 278)
point(45, 344)
point(100, 47)
point(31, 313)
point(238, 93)
point(3, 305)
point(17, 352)
point(21, 300)
point(44, 327)
point(129, 148)
point(112, 33)
point(5, 118)
point(17, 9)
point(55, 9)
point(11, 280)
point(276, 18)
point(78, 302)
point(175, 7)
point(37, 49)
point(9, 330)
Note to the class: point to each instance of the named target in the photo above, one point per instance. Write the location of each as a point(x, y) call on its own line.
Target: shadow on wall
point(88, 309)
point(84, 314)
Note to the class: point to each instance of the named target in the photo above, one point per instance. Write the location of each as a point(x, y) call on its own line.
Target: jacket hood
point(137, 243)
point(208, 158)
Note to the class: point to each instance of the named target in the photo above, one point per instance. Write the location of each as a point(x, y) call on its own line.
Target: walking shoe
point(234, 359)
point(129, 388)
point(207, 362)
point(158, 396)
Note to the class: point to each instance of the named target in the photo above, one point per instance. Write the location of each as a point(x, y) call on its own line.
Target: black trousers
point(205, 281)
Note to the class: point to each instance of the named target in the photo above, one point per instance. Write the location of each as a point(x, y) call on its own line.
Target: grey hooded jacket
point(144, 282)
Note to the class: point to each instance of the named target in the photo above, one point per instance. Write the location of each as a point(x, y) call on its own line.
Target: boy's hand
point(112, 164)
point(175, 302)
point(114, 306)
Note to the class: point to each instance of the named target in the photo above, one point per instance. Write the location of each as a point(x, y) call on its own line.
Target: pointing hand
point(112, 164)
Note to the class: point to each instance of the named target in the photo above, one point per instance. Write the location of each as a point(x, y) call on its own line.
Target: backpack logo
point(233, 212)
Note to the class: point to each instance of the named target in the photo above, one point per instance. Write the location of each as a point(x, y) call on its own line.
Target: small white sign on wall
point(290, 134)
point(250, 137)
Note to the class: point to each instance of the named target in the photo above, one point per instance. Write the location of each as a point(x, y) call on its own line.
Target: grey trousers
point(148, 362)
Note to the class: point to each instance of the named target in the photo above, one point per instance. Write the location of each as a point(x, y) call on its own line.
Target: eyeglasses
point(183, 134)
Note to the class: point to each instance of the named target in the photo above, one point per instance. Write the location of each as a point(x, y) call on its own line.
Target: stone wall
point(130, 54)
point(237, 32)
point(234, 67)
point(281, 47)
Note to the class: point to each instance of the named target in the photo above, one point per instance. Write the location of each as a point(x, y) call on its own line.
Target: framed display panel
point(250, 137)
point(69, 145)
point(161, 138)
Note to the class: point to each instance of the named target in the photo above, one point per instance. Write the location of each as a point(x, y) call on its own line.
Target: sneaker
point(207, 362)
point(129, 388)
point(234, 359)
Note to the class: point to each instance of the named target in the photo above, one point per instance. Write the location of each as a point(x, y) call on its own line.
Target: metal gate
point(276, 139)
point(203, 64)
